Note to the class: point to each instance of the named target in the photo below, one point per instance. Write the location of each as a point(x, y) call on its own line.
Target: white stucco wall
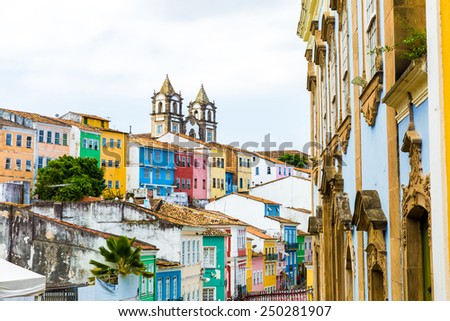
point(262, 177)
point(290, 192)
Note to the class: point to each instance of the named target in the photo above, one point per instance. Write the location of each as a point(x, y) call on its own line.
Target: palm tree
point(123, 259)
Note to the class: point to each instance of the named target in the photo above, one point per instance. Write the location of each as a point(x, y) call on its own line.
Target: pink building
point(284, 170)
point(200, 178)
point(257, 272)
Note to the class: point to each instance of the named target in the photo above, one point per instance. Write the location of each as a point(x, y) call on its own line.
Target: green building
point(90, 145)
point(214, 265)
point(147, 288)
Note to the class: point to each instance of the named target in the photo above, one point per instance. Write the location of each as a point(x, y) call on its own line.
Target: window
point(256, 170)
point(195, 183)
point(209, 136)
point(241, 183)
point(158, 156)
point(188, 161)
point(209, 257)
point(95, 144)
point(167, 296)
point(57, 139)
point(279, 170)
point(240, 161)
point(183, 183)
point(159, 298)
point(214, 183)
point(19, 140)
point(248, 183)
point(222, 184)
point(158, 174)
point(178, 182)
point(40, 162)
point(111, 142)
point(188, 252)
point(198, 251)
point(147, 173)
point(188, 182)
point(28, 165)
point(117, 184)
point(196, 163)
point(29, 142)
point(168, 175)
point(90, 143)
point(110, 163)
point(8, 163)
point(159, 129)
point(284, 171)
point(183, 246)
point(104, 142)
point(175, 128)
point(8, 140)
point(248, 162)
point(103, 163)
point(119, 143)
point(49, 137)
point(41, 136)
point(175, 288)
point(183, 161)
point(290, 171)
point(268, 170)
point(208, 294)
point(117, 164)
point(204, 184)
point(371, 36)
point(18, 164)
point(109, 184)
point(193, 252)
point(84, 145)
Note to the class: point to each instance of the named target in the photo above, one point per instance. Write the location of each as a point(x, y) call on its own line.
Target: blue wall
point(272, 210)
point(156, 169)
point(168, 294)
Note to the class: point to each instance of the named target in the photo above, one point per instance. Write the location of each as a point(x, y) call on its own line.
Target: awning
point(16, 281)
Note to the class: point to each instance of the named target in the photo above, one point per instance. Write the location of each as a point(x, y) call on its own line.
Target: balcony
point(271, 257)
point(291, 247)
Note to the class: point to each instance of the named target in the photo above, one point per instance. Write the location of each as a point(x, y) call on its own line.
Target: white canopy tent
point(16, 281)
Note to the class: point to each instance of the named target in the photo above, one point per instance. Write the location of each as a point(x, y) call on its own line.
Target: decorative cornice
point(342, 212)
point(311, 76)
point(344, 133)
point(371, 97)
point(319, 48)
point(412, 83)
point(368, 211)
point(308, 54)
point(327, 25)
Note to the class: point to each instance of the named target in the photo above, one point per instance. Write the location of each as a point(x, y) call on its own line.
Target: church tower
point(166, 115)
point(201, 121)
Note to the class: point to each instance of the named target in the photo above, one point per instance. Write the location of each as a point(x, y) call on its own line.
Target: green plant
point(111, 194)
point(121, 258)
point(294, 159)
point(416, 44)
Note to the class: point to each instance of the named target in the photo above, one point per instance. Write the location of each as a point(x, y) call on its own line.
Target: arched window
point(192, 132)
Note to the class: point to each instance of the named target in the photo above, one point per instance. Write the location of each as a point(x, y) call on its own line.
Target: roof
point(302, 233)
point(198, 217)
point(259, 233)
point(282, 220)
point(280, 179)
point(251, 197)
point(148, 141)
point(90, 116)
point(215, 232)
point(202, 98)
point(302, 210)
point(78, 125)
point(229, 147)
point(192, 139)
point(4, 122)
point(166, 264)
point(167, 88)
point(36, 117)
point(143, 245)
point(16, 281)
point(270, 159)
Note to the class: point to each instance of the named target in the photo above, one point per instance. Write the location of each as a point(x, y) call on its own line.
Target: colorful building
point(150, 165)
point(147, 285)
point(17, 153)
point(217, 172)
point(168, 281)
point(249, 270)
point(214, 264)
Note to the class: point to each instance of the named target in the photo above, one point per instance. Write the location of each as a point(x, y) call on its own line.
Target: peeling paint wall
point(119, 218)
point(59, 252)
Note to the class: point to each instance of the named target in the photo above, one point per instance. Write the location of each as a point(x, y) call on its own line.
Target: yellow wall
point(216, 172)
point(14, 153)
point(270, 280)
point(108, 153)
point(244, 172)
point(249, 271)
point(445, 25)
point(95, 122)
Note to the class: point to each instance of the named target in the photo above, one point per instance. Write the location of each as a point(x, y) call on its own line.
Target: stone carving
point(371, 97)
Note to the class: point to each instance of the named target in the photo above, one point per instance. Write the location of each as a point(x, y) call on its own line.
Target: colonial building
point(367, 77)
point(167, 114)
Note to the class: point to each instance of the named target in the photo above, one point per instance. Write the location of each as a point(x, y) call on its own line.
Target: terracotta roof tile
point(78, 125)
point(165, 264)
point(4, 122)
point(36, 117)
point(282, 220)
point(148, 141)
point(259, 233)
point(91, 116)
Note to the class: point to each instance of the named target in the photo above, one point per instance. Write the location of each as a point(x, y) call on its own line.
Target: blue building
point(168, 281)
point(156, 168)
point(229, 183)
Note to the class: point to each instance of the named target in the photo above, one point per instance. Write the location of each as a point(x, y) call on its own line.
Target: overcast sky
point(108, 57)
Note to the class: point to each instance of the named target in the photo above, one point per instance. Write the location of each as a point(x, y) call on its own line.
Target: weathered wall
point(119, 218)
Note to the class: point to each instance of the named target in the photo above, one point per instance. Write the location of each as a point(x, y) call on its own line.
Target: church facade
point(167, 114)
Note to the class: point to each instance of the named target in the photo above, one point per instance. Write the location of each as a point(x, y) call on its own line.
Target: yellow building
point(17, 146)
point(248, 266)
point(217, 159)
point(113, 152)
point(244, 170)
point(267, 244)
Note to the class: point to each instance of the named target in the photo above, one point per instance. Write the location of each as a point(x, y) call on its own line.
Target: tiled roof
point(36, 117)
point(4, 122)
point(162, 216)
point(79, 125)
point(165, 264)
point(148, 141)
point(259, 233)
point(215, 232)
point(302, 210)
point(301, 233)
point(251, 197)
point(90, 116)
point(143, 245)
point(282, 220)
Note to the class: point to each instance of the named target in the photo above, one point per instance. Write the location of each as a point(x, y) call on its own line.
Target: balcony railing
point(271, 257)
point(291, 246)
